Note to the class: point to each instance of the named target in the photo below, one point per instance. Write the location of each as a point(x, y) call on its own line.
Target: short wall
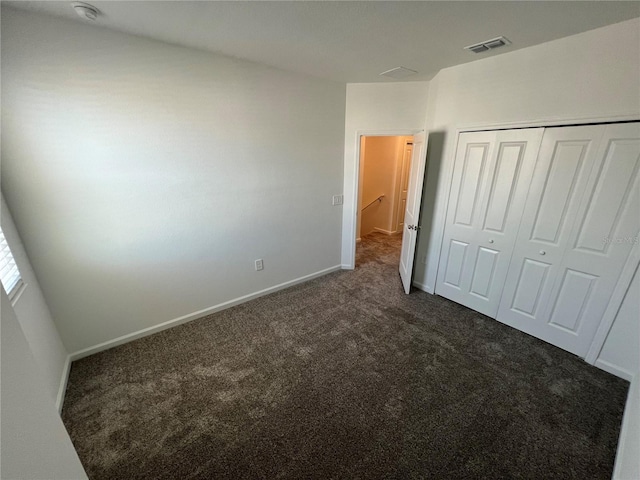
point(396, 108)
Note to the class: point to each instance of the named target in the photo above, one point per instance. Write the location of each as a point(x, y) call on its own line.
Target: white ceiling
point(349, 41)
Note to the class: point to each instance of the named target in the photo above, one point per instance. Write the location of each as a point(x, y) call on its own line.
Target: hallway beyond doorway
point(385, 163)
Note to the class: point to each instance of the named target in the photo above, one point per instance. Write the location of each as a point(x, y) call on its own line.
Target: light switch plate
point(337, 200)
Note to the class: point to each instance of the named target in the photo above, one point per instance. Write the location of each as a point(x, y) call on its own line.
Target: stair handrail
point(379, 199)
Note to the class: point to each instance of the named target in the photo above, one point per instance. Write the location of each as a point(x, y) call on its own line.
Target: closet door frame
point(634, 257)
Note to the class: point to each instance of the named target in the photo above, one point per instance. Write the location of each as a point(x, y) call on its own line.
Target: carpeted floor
point(343, 377)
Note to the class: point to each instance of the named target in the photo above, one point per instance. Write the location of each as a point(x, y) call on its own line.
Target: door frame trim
point(350, 264)
point(630, 269)
point(633, 263)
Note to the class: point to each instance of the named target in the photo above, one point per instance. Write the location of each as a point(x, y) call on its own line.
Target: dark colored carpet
point(343, 377)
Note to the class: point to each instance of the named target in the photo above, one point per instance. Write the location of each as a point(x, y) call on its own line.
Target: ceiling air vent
point(488, 45)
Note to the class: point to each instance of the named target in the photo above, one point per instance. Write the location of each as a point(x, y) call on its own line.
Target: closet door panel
point(615, 183)
point(571, 301)
point(560, 177)
point(457, 254)
point(473, 164)
point(491, 176)
point(509, 162)
point(529, 287)
point(473, 156)
point(588, 243)
point(606, 230)
point(485, 267)
point(566, 166)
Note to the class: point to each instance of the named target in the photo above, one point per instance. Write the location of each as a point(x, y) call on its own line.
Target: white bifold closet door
point(580, 222)
point(491, 175)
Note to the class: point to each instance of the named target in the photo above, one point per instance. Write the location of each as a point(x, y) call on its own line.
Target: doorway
point(385, 165)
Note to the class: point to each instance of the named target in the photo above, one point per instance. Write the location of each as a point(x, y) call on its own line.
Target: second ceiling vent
point(488, 45)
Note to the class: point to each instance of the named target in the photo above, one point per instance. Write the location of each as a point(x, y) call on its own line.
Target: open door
point(412, 212)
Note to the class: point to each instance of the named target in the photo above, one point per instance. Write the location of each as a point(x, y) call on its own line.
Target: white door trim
point(547, 122)
point(400, 168)
point(350, 263)
point(443, 200)
point(413, 209)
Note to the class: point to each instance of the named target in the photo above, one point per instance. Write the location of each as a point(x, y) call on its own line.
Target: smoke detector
point(86, 11)
point(488, 45)
point(399, 72)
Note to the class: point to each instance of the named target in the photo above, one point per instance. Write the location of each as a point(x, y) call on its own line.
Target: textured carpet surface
point(343, 377)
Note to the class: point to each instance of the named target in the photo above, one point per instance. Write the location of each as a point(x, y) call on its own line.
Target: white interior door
point(491, 176)
point(580, 222)
point(405, 169)
point(412, 212)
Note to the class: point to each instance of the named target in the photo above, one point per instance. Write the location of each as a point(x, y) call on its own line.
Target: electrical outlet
point(337, 200)
point(259, 265)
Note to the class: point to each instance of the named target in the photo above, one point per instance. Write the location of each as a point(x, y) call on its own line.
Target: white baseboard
point(195, 315)
point(386, 232)
point(614, 369)
point(423, 287)
point(63, 383)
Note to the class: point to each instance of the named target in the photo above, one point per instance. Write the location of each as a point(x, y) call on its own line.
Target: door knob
point(491, 241)
point(542, 252)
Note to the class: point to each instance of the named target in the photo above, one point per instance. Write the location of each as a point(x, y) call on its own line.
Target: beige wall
point(380, 160)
